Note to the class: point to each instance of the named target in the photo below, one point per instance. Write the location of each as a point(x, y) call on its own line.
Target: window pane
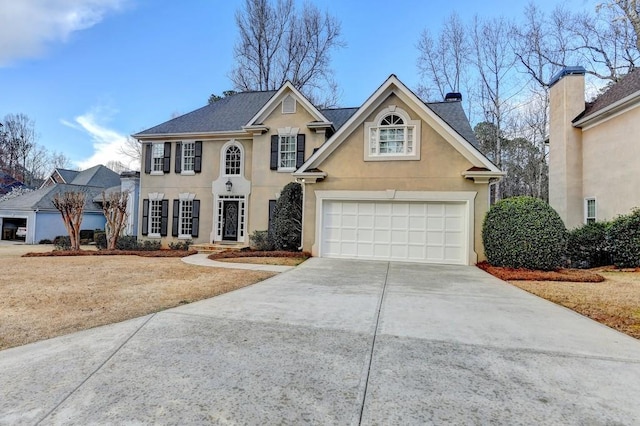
point(188, 156)
point(591, 209)
point(157, 155)
point(287, 151)
point(155, 216)
point(233, 158)
point(186, 217)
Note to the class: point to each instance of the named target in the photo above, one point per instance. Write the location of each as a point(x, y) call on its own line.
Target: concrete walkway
point(202, 259)
point(340, 343)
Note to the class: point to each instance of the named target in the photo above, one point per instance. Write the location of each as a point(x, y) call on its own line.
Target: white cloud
point(107, 144)
point(28, 26)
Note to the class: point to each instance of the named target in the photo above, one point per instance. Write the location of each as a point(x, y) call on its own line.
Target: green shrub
point(588, 247)
point(45, 241)
point(100, 238)
point(524, 232)
point(180, 245)
point(87, 234)
point(624, 240)
point(62, 242)
point(261, 241)
point(127, 242)
point(287, 218)
point(149, 245)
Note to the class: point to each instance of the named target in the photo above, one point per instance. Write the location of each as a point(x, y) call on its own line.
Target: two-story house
point(394, 179)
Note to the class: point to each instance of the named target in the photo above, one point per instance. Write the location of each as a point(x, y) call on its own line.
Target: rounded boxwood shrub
point(624, 240)
point(588, 246)
point(524, 232)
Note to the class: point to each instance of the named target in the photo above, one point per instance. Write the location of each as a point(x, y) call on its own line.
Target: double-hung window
point(157, 157)
point(188, 156)
point(185, 218)
point(287, 152)
point(392, 136)
point(590, 210)
point(155, 217)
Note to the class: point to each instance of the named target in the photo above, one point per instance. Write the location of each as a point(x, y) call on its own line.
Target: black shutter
point(300, 151)
point(178, 164)
point(197, 161)
point(166, 166)
point(174, 223)
point(147, 157)
point(195, 224)
point(145, 217)
point(274, 152)
point(164, 219)
point(272, 210)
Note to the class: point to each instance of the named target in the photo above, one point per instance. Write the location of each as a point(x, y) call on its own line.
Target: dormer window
point(392, 136)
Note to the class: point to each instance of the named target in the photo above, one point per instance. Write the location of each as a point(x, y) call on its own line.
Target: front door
point(230, 221)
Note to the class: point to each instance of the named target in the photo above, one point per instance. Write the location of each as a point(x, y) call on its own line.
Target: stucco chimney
point(565, 145)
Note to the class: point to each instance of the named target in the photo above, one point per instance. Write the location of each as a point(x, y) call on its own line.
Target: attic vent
point(453, 97)
point(288, 105)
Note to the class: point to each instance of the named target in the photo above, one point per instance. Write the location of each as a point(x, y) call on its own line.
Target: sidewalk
point(202, 259)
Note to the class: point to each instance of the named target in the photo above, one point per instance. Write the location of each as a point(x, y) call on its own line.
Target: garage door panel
point(432, 232)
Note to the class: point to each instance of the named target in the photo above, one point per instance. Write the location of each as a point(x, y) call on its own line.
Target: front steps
point(217, 247)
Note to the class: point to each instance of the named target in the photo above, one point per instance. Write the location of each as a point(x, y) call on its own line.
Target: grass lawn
point(43, 297)
point(614, 302)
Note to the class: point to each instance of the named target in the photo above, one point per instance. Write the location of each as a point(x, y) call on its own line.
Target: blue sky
point(91, 72)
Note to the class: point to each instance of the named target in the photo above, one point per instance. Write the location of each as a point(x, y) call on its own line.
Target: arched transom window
point(233, 161)
point(392, 134)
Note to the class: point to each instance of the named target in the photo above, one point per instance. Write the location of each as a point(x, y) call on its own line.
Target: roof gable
point(273, 103)
point(451, 129)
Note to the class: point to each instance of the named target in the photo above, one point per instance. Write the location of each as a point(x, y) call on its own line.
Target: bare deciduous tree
point(71, 207)
point(17, 142)
point(114, 207)
point(132, 149)
point(277, 43)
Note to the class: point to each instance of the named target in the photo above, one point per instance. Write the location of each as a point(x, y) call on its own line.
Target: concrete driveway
point(336, 342)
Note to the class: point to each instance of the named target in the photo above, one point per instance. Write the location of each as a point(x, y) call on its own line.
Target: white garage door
point(430, 232)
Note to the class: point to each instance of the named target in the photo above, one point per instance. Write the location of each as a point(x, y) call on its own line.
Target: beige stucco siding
point(439, 170)
point(611, 164)
point(267, 183)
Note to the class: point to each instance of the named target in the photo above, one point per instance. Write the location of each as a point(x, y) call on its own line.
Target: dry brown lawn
point(614, 302)
point(43, 297)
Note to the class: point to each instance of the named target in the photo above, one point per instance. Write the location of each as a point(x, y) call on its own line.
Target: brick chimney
point(565, 145)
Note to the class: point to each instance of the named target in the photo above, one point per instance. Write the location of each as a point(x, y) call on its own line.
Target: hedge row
point(525, 232)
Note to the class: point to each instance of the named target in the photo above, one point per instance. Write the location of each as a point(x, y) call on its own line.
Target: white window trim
point(182, 158)
point(375, 124)
point(284, 132)
point(153, 163)
point(184, 196)
point(586, 209)
point(223, 158)
point(154, 196)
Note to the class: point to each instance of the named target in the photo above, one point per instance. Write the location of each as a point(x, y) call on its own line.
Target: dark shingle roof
point(67, 175)
point(227, 114)
point(92, 181)
point(627, 85)
point(453, 114)
point(42, 199)
point(338, 116)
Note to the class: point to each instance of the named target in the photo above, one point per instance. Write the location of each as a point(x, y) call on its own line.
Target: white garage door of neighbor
point(433, 232)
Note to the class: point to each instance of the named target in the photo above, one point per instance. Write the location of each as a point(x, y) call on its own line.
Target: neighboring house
point(395, 179)
point(594, 149)
point(129, 183)
point(36, 212)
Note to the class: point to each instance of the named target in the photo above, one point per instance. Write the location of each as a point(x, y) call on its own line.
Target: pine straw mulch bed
point(141, 253)
point(282, 258)
point(521, 274)
point(608, 295)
